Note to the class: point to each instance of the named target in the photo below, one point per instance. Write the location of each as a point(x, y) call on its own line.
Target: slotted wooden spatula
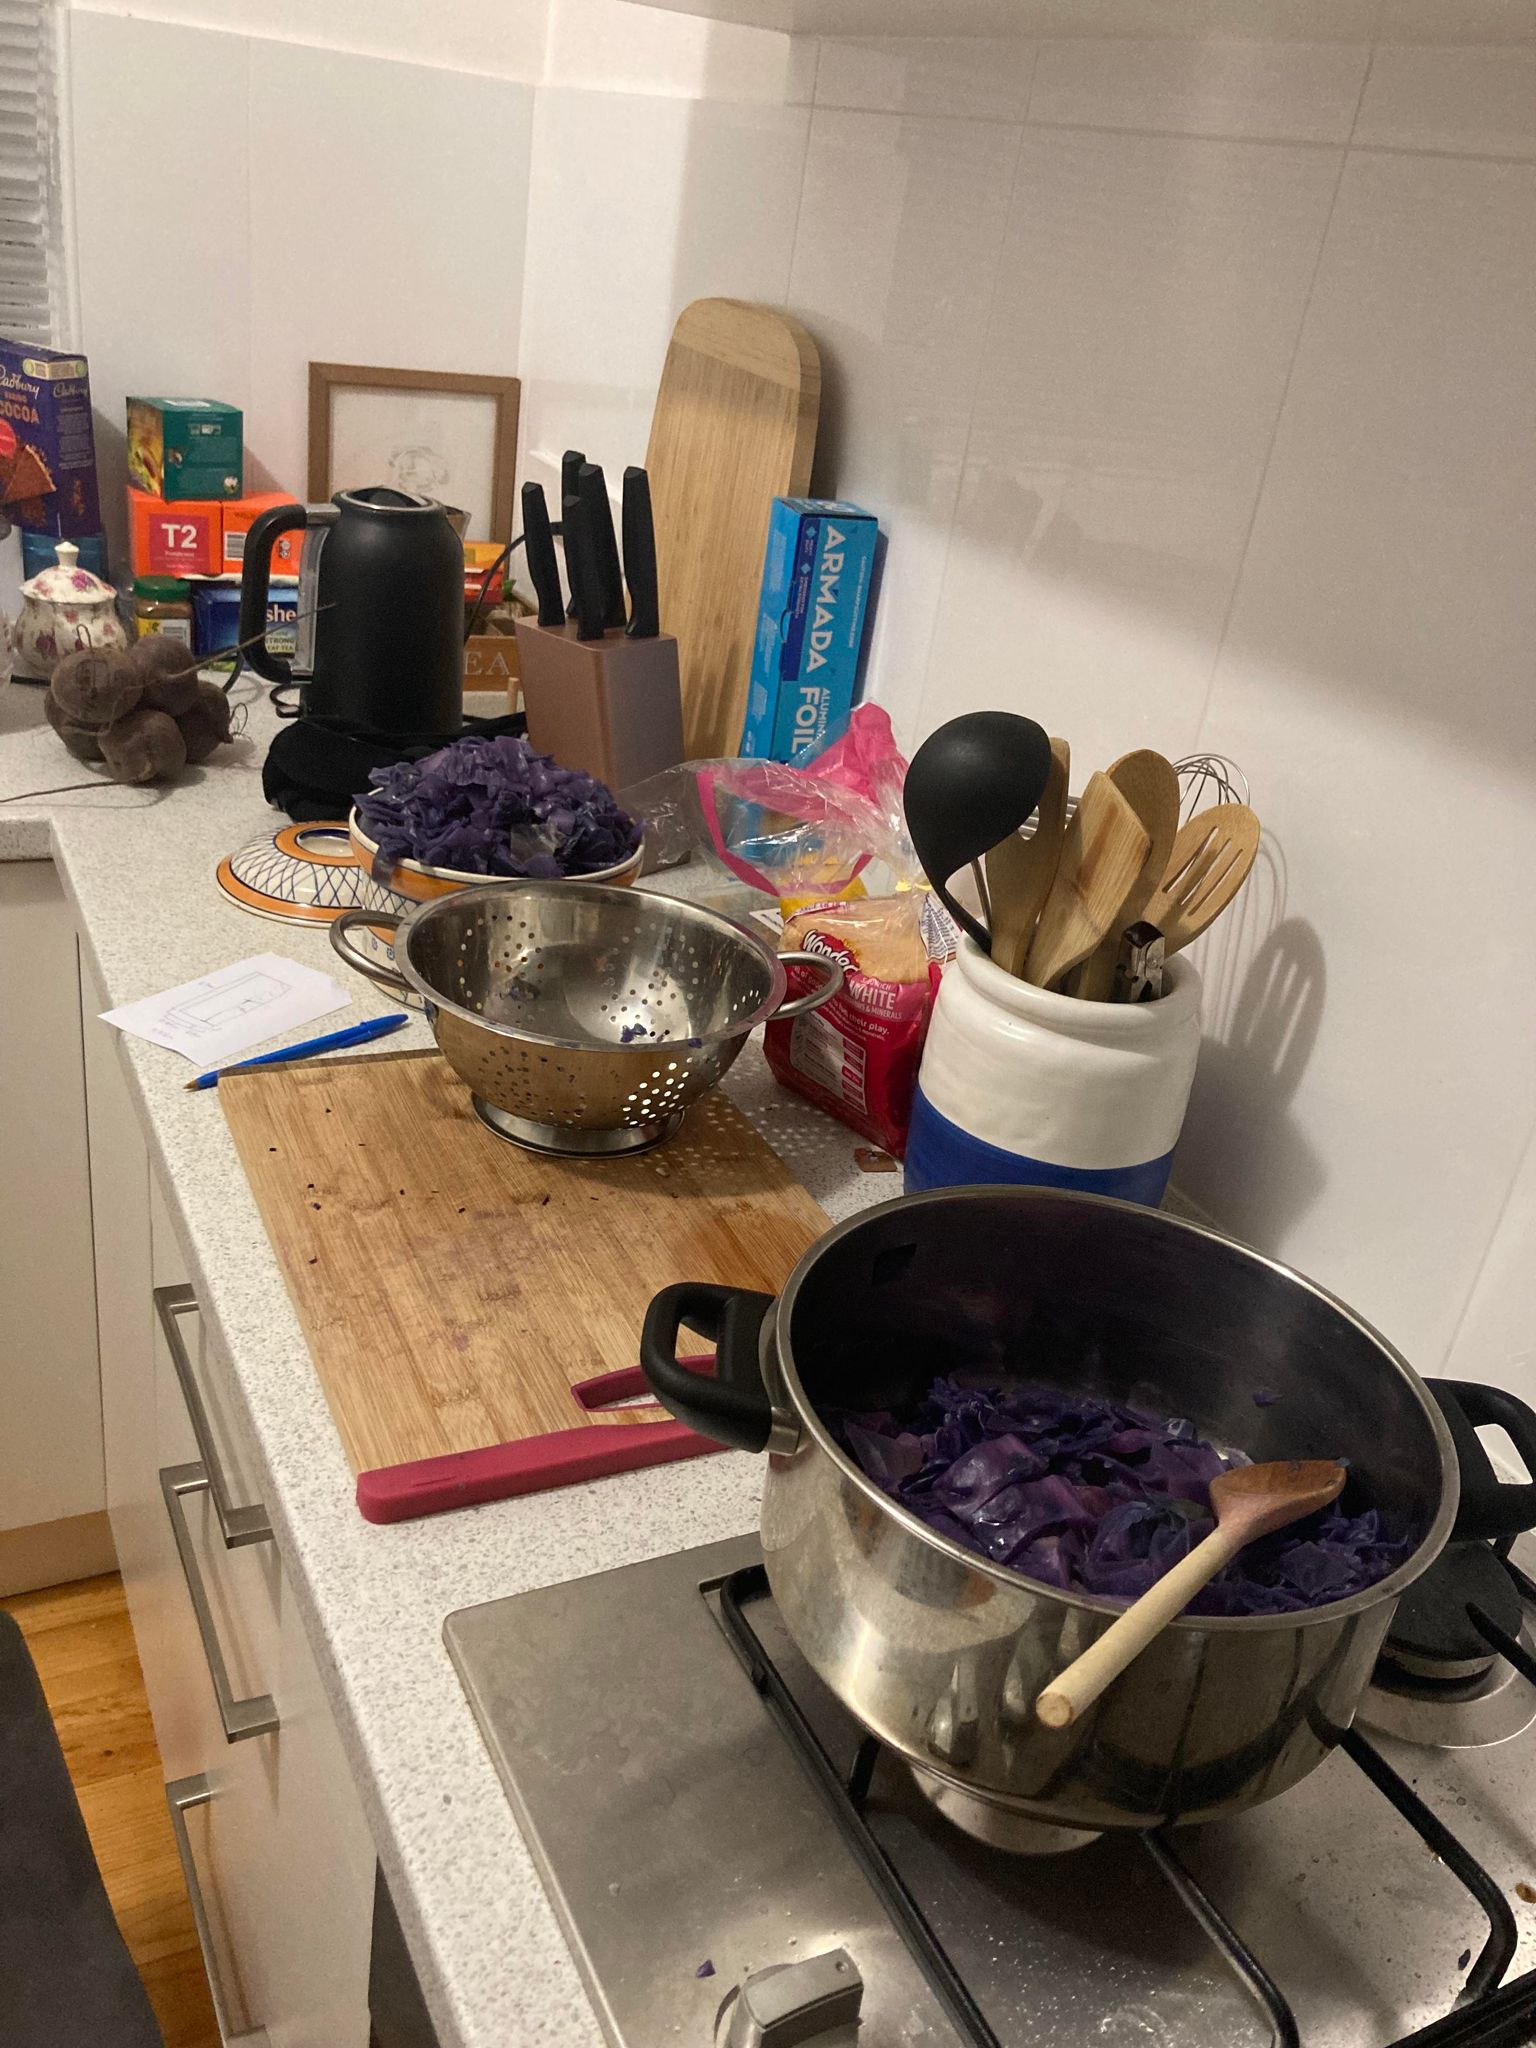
point(1211, 858)
point(1101, 856)
point(1147, 781)
point(1251, 1502)
point(1020, 871)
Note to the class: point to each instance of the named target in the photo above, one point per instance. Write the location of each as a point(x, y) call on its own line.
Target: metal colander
point(584, 1019)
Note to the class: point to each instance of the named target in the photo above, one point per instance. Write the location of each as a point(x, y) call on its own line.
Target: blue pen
point(333, 1041)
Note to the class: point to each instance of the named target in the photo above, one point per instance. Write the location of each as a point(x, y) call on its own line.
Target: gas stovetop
point(734, 1861)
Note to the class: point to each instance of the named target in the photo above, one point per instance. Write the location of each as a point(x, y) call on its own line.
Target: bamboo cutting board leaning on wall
point(734, 428)
point(456, 1290)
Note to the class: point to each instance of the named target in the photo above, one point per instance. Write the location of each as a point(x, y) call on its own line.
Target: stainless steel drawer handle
point(236, 1525)
point(181, 1796)
point(242, 1718)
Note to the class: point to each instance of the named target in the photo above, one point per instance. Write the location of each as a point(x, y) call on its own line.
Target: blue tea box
point(811, 618)
point(216, 618)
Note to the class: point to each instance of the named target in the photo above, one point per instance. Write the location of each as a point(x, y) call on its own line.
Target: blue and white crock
point(1020, 1086)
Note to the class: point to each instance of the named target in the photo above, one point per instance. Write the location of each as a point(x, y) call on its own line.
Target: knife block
point(611, 706)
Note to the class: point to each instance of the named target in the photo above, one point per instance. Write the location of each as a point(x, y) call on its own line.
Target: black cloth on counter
point(66, 1979)
point(317, 767)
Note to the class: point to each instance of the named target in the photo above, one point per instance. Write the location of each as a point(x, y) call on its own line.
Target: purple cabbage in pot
point(494, 807)
point(1094, 1497)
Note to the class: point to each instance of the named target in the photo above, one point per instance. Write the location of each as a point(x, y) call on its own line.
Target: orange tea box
point(182, 539)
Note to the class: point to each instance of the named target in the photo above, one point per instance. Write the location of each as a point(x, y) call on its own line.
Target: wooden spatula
point(1253, 1501)
point(1210, 861)
point(1020, 871)
point(1149, 785)
point(1101, 855)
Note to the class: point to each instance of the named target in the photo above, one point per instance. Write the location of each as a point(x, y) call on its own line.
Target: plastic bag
point(798, 834)
point(829, 842)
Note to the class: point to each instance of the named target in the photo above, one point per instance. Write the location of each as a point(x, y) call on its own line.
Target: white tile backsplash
point(638, 205)
point(1376, 681)
point(901, 225)
point(1279, 91)
point(179, 322)
point(303, 204)
point(1479, 101)
point(398, 257)
point(1184, 352)
point(1147, 303)
point(976, 78)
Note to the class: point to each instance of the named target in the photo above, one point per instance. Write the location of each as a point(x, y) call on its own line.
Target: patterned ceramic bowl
point(420, 884)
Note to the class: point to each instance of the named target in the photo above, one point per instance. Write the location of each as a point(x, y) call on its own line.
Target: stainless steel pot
point(941, 1653)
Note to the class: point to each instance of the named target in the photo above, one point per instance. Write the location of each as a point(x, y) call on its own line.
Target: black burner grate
point(1487, 2014)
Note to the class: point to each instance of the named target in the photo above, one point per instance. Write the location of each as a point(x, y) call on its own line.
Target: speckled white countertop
point(139, 867)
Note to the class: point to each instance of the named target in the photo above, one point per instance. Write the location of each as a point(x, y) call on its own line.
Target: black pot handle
point(1490, 1507)
point(733, 1406)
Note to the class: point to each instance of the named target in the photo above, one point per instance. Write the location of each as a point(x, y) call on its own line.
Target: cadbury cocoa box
point(47, 449)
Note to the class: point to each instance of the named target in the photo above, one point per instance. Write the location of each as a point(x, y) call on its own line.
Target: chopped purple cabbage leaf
point(494, 807)
point(1095, 1497)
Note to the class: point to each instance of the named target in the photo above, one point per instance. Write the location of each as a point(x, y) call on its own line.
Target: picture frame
point(443, 433)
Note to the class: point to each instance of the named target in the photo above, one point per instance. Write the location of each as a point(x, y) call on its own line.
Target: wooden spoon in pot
point(1253, 1501)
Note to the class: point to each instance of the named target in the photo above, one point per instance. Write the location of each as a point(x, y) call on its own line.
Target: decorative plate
point(304, 874)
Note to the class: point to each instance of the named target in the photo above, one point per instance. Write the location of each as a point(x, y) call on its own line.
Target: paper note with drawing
point(216, 1019)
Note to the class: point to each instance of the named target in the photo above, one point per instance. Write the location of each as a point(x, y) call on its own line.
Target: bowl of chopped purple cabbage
point(482, 810)
point(993, 1416)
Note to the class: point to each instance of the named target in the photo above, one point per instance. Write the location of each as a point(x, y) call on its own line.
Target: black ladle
point(971, 783)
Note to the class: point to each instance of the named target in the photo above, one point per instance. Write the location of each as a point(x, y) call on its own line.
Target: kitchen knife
point(543, 568)
point(570, 470)
point(640, 556)
point(593, 489)
point(581, 566)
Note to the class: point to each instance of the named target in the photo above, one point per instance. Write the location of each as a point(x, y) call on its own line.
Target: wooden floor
point(82, 1644)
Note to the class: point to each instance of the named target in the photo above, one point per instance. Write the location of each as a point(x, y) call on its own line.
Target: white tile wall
point(901, 228)
point(1147, 305)
point(1185, 353)
point(171, 312)
point(640, 204)
point(504, 41)
point(304, 203)
point(1192, 381)
point(402, 250)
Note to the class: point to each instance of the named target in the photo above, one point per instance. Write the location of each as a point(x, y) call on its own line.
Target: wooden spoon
point(1210, 862)
point(1253, 1501)
point(1020, 871)
point(1101, 855)
point(1149, 785)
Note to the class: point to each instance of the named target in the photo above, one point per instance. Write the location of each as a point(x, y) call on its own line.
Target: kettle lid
point(385, 498)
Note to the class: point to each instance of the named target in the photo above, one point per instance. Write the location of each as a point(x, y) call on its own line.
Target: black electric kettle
point(381, 612)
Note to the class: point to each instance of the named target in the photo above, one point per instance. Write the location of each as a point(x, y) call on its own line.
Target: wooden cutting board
point(734, 428)
point(453, 1288)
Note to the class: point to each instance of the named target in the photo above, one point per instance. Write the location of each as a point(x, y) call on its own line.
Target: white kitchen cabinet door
point(241, 1587)
point(50, 1444)
point(120, 1225)
point(321, 1925)
point(287, 1862)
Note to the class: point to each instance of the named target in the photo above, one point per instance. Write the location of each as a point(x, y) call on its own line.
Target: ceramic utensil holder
point(1021, 1086)
point(611, 706)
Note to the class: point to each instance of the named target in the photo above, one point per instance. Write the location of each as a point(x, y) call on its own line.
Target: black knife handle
point(570, 470)
point(543, 568)
point(640, 556)
point(593, 487)
point(581, 564)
